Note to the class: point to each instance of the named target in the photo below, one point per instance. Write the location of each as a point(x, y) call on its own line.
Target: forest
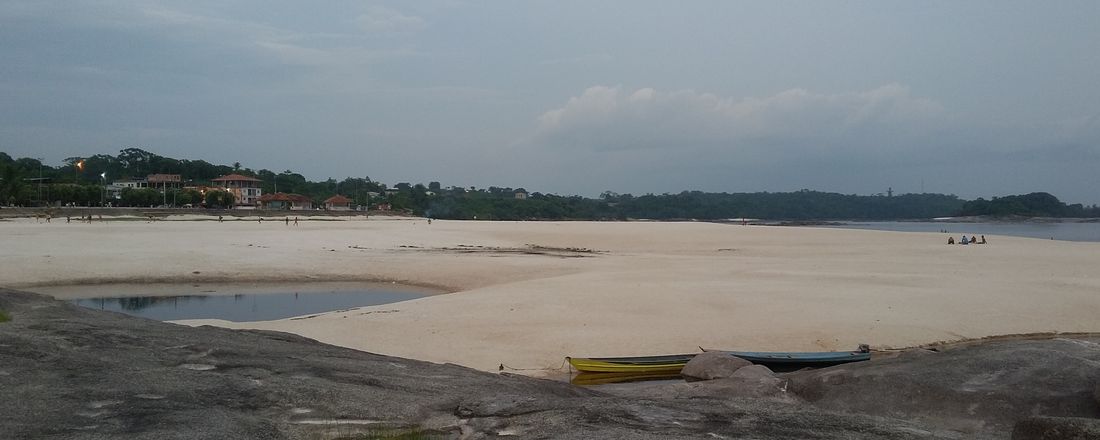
point(81, 181)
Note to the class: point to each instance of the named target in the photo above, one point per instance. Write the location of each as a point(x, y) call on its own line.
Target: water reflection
point(244, 307)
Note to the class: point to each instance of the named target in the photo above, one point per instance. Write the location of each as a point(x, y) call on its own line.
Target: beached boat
point(800, 359)
point(675, 363)
point(642, 364)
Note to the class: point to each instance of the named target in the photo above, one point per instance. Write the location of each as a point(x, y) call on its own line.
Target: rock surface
point(75, 373)
point(1057, 428)
point(976, 388)
point(713, 365)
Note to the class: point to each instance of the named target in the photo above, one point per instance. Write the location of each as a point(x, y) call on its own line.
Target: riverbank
point(527, 294)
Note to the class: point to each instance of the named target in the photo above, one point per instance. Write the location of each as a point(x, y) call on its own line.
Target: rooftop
point(236, 178)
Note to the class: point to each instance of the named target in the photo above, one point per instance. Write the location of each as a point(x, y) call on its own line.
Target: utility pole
point(40, 179)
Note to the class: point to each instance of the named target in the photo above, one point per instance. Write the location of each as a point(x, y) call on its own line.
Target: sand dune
point(526, 294)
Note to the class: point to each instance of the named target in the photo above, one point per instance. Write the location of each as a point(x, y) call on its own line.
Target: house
point(521, 195)
point(284, 201)
point(338, 203)
point(164, 181)
point(114, 190)
point(246, 190)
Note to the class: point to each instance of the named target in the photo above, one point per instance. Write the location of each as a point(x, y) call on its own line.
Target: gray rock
point(753, 381)
point(984, 387)
point(915, 353)
point(713, 365)
point(1057, 428)
point(76, 373)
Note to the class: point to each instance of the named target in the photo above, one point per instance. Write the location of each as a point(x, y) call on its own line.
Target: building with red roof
point(245, 189)
point(338, 203)
point(285, 201)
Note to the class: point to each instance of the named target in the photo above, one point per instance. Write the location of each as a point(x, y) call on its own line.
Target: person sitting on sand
point(964, 240)
point(983, 239)
point(950, 240)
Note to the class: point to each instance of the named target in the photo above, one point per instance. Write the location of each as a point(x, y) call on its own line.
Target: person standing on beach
point(288, 220)
point(295, 220)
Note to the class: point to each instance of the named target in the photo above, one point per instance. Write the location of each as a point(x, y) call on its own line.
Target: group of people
point(965, 240)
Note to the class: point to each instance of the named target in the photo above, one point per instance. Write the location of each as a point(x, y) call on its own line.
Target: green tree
point(219, 199)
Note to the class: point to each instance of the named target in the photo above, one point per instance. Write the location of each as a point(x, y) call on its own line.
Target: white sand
point(655, 288)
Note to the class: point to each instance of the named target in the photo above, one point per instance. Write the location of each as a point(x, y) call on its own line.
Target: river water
point(234, 302)
point(1057, 231)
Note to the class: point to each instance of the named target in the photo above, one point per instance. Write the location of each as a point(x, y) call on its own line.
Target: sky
point(975, 98)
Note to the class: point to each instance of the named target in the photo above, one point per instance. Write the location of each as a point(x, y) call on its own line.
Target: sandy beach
point(527, 294)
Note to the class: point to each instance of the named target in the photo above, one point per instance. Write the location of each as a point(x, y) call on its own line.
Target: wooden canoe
point(799, 359)
point(674, 363)
point(642, 364)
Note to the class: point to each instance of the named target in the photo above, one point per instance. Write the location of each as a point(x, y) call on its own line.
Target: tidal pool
point(233, 302)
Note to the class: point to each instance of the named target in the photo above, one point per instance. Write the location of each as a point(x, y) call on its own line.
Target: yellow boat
point(671, 364)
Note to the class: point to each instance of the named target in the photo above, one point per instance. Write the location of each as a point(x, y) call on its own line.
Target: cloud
point(611, 118)
point(385, 20)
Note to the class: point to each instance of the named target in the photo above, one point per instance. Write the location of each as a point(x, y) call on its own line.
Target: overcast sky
point(970, 98)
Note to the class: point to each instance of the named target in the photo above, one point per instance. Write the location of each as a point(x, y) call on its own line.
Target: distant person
point(260, 220)
point(288, 221)
point(68, 219)
point(219, 219)
point(950, 240)
point(983, 239)
point(295, 220)
point(964, 240)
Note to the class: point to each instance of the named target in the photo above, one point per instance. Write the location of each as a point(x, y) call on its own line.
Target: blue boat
point(800, 359)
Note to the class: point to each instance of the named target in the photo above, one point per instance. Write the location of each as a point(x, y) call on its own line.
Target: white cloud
point(383, 19)
point(610, 118)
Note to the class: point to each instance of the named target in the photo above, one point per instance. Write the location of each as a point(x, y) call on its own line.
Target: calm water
point(244, 307)
point(1057, 231)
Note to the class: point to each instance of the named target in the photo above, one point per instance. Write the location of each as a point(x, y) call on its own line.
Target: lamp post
point(103, 198)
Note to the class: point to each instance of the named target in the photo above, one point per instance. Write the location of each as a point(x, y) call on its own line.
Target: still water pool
point(249, 304)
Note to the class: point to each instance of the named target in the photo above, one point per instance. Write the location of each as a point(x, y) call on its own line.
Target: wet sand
point(527, 294)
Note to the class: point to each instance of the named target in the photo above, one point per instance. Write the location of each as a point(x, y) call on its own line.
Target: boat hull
point(674, 363)
point(671, 364)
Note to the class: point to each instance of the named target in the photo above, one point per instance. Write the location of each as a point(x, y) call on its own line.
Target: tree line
point(80, 181)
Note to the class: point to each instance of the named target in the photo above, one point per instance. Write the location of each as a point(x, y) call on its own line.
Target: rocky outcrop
point(1057, 428)
point(74, 373)
point(713, 365)
point(986, 387)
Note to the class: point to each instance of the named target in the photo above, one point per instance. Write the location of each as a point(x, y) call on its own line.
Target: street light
point(103, 198)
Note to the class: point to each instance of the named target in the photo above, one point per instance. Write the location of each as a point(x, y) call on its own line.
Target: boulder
point(713, 365)
point(1057, 428)
point(753, 381)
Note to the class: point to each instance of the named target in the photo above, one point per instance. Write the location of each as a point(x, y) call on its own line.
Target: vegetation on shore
point(29, 182)
point(4, 316)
